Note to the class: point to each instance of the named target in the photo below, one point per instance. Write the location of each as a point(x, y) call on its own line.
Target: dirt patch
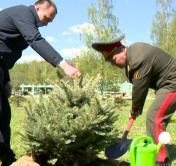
point(25, 161)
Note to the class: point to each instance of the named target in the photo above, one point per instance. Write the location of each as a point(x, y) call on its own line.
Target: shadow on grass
point(103, 162)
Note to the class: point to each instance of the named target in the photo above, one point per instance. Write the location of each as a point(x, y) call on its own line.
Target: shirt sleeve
point(25, 24)
point(141, 78)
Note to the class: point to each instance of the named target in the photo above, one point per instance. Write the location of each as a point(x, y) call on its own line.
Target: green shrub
point(73, 125)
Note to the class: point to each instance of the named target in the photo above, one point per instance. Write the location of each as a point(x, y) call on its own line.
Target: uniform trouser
point(158, 117)
point(6, 154)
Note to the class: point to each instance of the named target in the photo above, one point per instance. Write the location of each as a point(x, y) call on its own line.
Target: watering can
point(143, 152)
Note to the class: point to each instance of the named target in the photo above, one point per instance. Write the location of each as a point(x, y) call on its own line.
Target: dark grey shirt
point(18, 30)
point(149, 67)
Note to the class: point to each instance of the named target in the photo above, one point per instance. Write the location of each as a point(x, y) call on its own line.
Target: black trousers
point(6, 154)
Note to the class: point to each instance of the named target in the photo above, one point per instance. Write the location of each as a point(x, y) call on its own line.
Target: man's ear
point(37, 7)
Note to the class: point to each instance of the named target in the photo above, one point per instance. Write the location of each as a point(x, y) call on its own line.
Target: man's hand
point(8, 89)
point(134, 115)
point(71, 71)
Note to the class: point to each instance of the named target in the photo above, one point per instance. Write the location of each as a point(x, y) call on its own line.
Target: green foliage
point(173, 118)
point(111, 86)
point(33, 72)
point(163, 28)
point(104, 21)
point(90, 64)
point(73, 125)
point(17, 100)
point(18, 116)
point(104, 27)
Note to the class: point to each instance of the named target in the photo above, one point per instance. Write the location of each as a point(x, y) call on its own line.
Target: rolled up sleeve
point(141, 79)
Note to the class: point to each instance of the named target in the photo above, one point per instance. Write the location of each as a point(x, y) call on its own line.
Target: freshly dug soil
point(25, 161)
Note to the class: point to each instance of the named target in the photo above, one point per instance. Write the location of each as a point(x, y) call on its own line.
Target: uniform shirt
point(18, 30)
point(149, 67)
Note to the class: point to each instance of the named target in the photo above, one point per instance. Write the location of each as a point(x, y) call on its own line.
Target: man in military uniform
point(18, 30)
point(147, 67)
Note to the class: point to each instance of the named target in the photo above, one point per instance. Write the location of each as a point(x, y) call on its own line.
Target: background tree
point(164, 25)
point(103, 27)
point(105, 23)
point(33, 73)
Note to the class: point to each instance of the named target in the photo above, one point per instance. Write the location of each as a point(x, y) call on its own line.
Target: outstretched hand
point(70, 70)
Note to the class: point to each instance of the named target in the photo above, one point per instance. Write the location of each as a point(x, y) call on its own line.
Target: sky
point(134, 16)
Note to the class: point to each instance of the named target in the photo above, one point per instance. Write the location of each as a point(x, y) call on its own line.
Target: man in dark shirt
point(147, 67)
point(18, 30)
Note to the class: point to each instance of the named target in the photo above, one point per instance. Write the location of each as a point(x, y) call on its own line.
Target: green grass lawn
point(18, 115)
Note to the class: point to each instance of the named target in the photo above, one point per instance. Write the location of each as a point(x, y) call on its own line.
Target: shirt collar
point(37, 20)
